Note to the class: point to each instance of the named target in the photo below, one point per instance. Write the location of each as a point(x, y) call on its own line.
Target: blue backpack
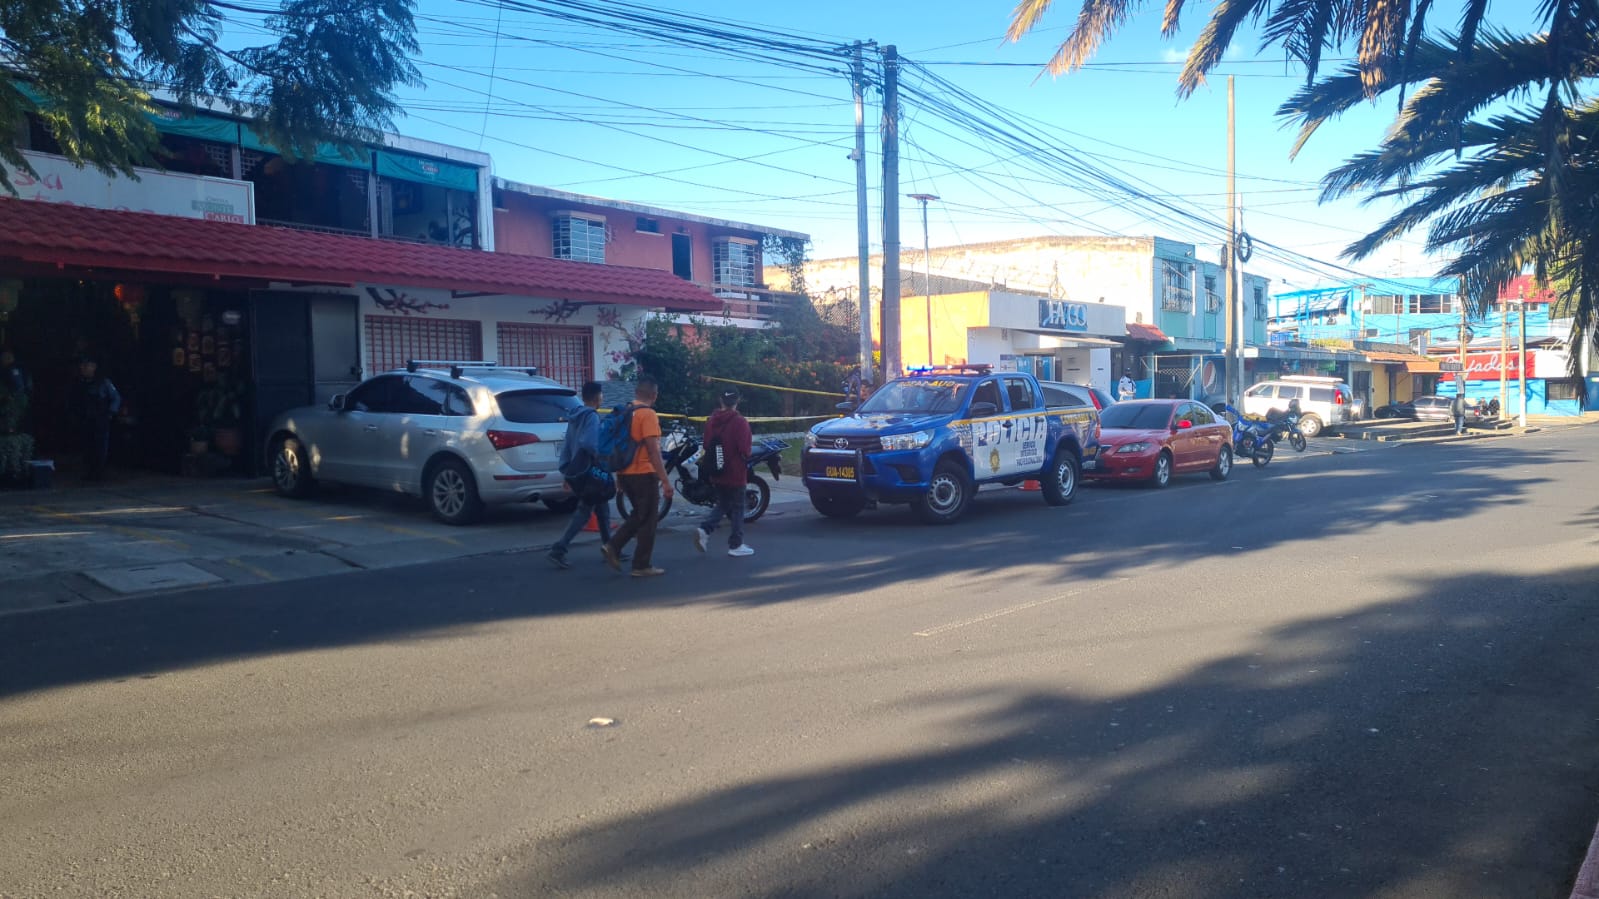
point(617, 446)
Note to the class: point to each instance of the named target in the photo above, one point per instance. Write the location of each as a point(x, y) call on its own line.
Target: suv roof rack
point(459, 367)
point(972, 369)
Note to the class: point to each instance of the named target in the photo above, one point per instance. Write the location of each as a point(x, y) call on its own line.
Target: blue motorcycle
point(1252, 440)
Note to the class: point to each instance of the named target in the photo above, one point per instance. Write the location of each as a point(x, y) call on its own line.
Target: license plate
point(845, 472)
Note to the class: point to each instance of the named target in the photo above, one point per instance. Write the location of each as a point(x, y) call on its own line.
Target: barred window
point(392, 340)
point(735, 261)
point(579, 238)
point(561, 352)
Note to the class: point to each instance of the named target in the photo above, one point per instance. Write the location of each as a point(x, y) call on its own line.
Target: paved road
point(1370, 674)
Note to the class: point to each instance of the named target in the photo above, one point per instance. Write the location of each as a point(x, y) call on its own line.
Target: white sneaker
point(699, 539)
point(745, 550)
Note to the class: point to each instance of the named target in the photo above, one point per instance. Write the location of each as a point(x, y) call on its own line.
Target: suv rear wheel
point(451, 492)
point(948, 494)
point(1309, 425)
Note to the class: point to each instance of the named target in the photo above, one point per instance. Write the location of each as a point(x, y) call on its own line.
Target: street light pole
point(927, 262)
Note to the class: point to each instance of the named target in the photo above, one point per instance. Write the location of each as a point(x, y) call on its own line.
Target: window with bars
point(391, 340)
point(734, 261)
point(1212, 298)
point(1260, 302)
point(579, 238)
point(561, 352)
point(1177, 296)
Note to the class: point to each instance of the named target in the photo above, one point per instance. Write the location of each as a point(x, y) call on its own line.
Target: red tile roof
point(80, 237)
point(1141, 331)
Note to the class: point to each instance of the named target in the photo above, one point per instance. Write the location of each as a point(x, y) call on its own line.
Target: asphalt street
point(1369, 674)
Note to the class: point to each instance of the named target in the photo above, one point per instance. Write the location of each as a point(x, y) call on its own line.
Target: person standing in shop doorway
point(726, 462)
point(94, 403)
point(638, 480)
point(1126, 389)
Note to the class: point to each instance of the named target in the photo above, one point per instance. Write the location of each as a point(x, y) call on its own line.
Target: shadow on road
point(1240, 778)
point(802, 557)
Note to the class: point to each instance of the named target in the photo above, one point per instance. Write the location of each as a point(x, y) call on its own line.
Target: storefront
point(1056, 340)
point(210, 329)
point(1551, 387)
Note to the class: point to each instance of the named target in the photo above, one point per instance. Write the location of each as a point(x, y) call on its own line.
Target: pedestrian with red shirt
point(725, 464)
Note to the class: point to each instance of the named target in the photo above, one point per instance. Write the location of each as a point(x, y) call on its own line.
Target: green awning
point(327, 154)
point(422, 170)
point(201, 127)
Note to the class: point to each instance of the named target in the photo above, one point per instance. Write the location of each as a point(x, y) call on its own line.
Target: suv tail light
point(1338, 397)
point(504, 440)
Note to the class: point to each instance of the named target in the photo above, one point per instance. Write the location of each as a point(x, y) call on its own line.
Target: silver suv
point(1323, 402)
point(461, 436)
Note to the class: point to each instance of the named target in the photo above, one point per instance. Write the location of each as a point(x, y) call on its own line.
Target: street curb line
point(1587, 885)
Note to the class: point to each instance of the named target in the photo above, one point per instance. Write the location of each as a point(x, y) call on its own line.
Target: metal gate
point(561, 352)
point(391, 340)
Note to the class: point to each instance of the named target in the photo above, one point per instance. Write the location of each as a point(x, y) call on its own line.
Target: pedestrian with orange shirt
point(638, 481)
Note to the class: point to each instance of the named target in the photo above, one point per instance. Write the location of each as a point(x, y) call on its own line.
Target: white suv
point(460, 436)
point(1323, 402)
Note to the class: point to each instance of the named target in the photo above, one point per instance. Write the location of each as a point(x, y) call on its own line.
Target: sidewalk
point(153, 533)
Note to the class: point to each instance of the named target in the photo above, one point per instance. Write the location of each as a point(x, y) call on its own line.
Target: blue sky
point(626, 117)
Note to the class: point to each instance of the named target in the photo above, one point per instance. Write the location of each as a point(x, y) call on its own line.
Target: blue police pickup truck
point(932, 438)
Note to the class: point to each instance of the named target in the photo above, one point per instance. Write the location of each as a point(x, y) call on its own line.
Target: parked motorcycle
point(1251, 439)
point(1285, 426)
point(680, 451)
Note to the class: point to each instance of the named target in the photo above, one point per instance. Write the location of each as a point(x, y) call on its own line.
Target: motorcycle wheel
point(1263, 453)
point(757, 498)
point(623, 506)
point(1297, 441)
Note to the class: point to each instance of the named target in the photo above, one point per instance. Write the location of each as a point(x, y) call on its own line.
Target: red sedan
point(1151, 440)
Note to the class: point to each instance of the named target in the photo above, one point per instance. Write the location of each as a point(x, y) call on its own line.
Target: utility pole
point(1504, 351)
point(863, 233)
point(1521, 318)
point(927, 263)
point(892, 363)
point(1460, 379)
point(1230, 260)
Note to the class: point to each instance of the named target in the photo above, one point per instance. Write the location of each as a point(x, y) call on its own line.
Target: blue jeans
point(580, 517)
point(729, 503)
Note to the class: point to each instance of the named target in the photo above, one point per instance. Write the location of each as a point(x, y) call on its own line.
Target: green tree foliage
point(801, 351)
point(326, 72)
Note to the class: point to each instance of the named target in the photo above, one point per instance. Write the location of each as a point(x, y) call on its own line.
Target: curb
point(1587, 885)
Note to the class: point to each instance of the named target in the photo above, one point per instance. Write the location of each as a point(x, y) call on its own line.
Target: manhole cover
point(141, 578)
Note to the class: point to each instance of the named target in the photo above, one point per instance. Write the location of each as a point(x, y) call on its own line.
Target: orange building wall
point(525, 227)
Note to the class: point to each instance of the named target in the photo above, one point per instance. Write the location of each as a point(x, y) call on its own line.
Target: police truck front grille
point(864, 444)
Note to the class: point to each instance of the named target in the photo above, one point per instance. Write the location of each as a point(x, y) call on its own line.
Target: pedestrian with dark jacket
point(579, 463)
point(726, 458)
point(93, 403)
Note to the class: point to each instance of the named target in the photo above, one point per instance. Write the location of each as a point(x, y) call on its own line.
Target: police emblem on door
point(993, 460)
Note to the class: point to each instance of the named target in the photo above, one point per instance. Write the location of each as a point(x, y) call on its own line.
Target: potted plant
point(221, 408)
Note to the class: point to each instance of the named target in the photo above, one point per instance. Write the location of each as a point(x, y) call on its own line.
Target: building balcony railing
point(752, 302)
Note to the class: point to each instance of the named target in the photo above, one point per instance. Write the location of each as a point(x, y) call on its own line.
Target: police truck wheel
point(837, 506)
point(757, 498)
point(948, 494)
point(1060, 481)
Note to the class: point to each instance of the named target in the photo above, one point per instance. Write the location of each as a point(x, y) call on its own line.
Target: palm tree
point(1304, 28)
point(1496, 151)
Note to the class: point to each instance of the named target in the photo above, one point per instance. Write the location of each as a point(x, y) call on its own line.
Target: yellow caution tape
point(775, 387)
point(751, 420)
